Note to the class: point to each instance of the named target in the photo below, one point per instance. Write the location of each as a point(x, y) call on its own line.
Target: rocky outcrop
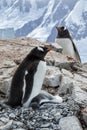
point(64, 77)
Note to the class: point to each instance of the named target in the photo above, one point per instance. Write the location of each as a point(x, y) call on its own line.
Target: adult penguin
point(64, 39)
point(28, 78)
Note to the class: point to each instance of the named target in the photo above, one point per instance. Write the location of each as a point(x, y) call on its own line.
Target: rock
point(45, 125)
point(84, 115)
point(1, 123)
point(70, 123)
point(79, 95)
point(43, 129)
point(67, 73)
point(7, 126)
point(80, 78)
point(12, 115)
point(19, 129)
point(19, 123)
point(5, 86)
point(53, 76)
point(59, 60)
point(57, 116)
point(74, 84)
point(56, 47)
point(66, 85)
point(4, 119)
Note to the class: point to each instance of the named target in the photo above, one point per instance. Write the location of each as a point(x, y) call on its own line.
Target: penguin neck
point(33, 58)
point(65, 36)
point(30, 59)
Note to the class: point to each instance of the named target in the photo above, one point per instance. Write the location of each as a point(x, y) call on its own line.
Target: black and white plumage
point(64, 39)
point(28, 78)
point(45, 97)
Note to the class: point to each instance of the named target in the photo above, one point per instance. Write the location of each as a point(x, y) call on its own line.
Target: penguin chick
point(45, 97)
point(65, 40)
point(28, 78)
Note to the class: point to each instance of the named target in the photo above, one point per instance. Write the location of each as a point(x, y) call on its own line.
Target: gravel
point(44, 118)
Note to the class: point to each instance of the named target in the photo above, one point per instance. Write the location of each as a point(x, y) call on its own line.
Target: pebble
point(46, 117)
point(19, 129)
point(7, 126)
point(1, 123)
point(12, 115)
point(4, 119)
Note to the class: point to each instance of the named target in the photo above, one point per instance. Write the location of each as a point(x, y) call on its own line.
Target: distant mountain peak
point(38, 18)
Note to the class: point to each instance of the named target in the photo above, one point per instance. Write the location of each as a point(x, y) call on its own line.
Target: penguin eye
point(40, 49)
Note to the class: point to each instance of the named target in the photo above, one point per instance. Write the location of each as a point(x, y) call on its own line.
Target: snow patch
point(76, 14)
point(82, 48)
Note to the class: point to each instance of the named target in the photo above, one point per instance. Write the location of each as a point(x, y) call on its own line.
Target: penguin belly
point(37, 82)
point(46, 97)
point(67, 46)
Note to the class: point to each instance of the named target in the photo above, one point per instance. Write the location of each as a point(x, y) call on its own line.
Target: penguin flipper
point(45, 97)
point(77, 53)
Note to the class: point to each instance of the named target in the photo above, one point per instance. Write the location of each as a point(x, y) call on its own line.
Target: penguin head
point(40, 51)
point(62, 32)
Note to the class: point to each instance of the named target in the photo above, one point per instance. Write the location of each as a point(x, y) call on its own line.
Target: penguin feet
point(69, 58)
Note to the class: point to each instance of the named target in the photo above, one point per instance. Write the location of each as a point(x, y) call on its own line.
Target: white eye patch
point(40, 49)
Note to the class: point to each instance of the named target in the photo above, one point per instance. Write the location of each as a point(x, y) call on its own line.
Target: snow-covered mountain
point(76, 21)
point(38, 18)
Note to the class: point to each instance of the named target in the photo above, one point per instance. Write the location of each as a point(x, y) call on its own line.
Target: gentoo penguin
point(28, 78)
point(64, 39)
point(45, 97)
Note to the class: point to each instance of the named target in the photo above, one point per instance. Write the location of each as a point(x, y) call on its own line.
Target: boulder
point(79, 95)
point(56, 47)
point(53, 76)
point(70, 123)
point(58, 60)
point(66, 85)
point(67, 73)
point(81, 77)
